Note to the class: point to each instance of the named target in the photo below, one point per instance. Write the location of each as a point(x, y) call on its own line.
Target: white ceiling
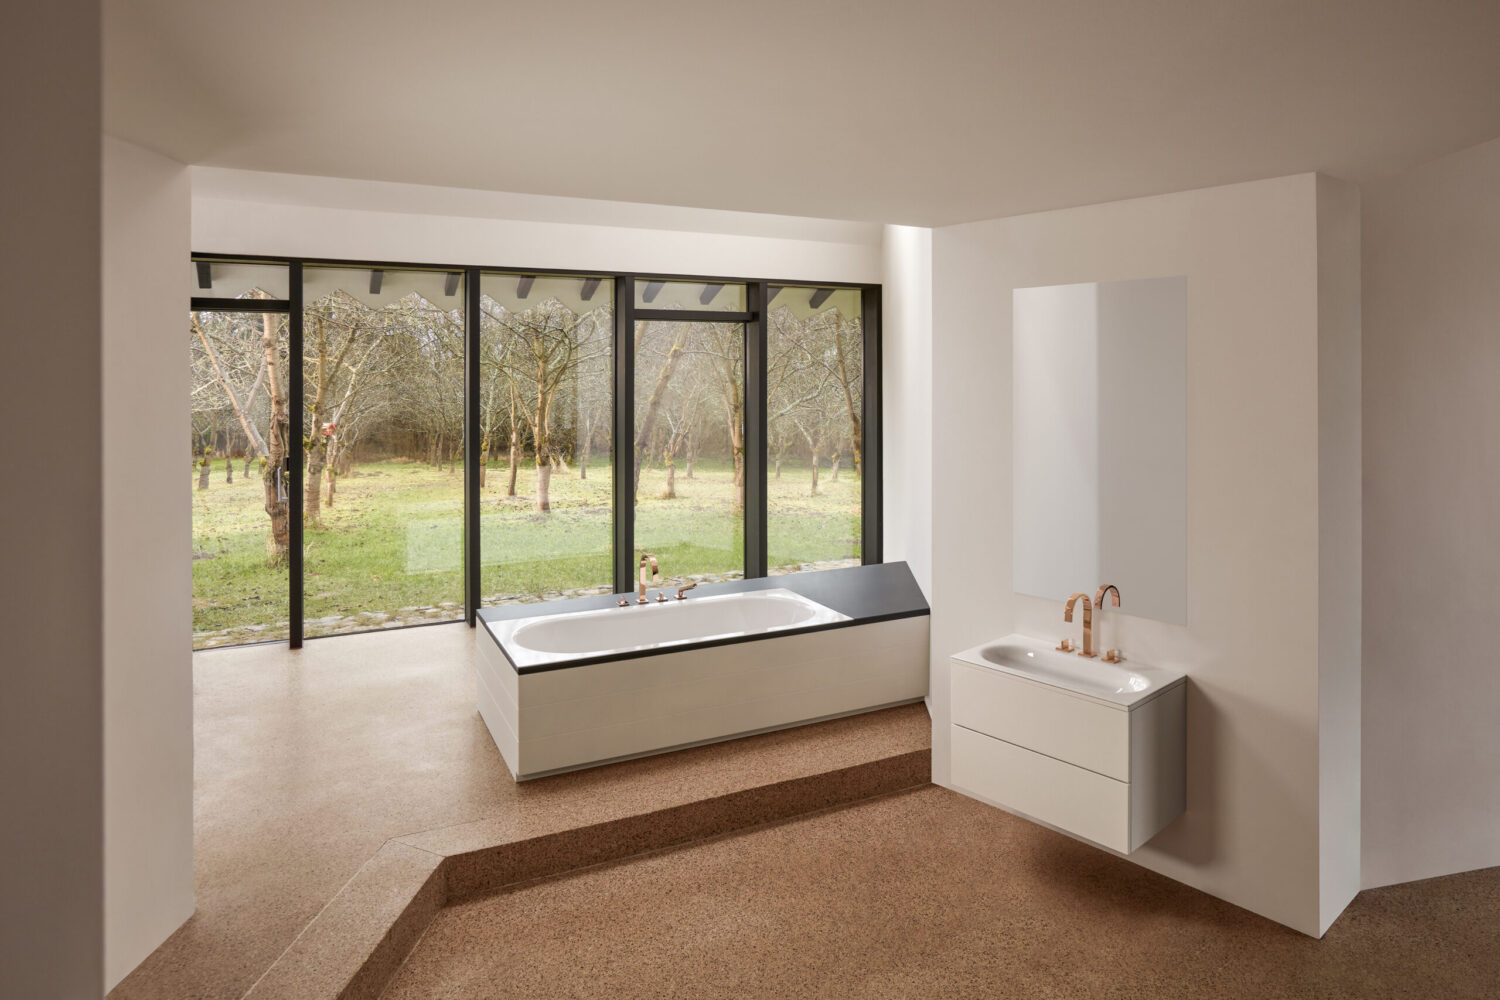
point(882, 110)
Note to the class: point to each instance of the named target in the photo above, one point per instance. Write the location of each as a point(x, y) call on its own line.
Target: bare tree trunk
point(333, 470)
point(778, 466)
point(671, 493)
point(317, 460)
point(583, 449)
point(692, 453)
point(856, 426)
point(542, 431)
point(515, 443)
point(643, 433)
point(228, 469)
point(245, 472)
point(835, 468)
point(815, 474)
point(203, 469)
point(278, 542)
point(484, 460)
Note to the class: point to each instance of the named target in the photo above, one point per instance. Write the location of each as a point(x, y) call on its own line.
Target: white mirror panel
point(1100, 442)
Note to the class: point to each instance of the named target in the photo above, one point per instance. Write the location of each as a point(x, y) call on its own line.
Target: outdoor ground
point(389, 550)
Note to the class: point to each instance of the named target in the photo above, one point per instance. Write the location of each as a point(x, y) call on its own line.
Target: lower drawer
point(1070, 798)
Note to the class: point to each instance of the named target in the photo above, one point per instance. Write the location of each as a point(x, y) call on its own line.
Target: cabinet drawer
point(1083, 803)
point(1043, 719)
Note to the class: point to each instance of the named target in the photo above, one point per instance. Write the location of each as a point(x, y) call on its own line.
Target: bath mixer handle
point(661, 597)
point(682, 591)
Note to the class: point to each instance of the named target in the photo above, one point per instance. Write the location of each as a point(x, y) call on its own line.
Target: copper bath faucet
point(1088, 624)
point(646, 579)
point(1113, 655)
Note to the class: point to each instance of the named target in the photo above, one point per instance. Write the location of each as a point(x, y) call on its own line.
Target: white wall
point(1253, 831)
point(51, 766)
point(148, 681)
point(1340, 523)
point(1431, 242)
point(238, 211)
point(907, 394)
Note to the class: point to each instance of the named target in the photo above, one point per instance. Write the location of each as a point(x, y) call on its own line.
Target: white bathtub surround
point(610, 632)
point(572, 716)
point(1093, 749)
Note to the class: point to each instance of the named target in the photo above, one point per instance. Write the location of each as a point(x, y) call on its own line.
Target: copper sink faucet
point(1113, 655)
point(1088, 625)
point(682, 591)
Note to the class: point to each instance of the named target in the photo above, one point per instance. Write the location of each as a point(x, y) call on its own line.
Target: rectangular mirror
point(1100, 442)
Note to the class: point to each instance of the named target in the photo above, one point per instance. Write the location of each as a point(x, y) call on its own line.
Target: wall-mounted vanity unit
point(1094, 749)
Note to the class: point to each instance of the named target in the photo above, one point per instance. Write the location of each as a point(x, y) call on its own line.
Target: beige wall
point(148, 680)
point(51, 769)
point(1432, 539)
point(1254, 830)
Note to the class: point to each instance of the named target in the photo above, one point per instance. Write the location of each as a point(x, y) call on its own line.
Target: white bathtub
point(588, 687)
point(544, 639)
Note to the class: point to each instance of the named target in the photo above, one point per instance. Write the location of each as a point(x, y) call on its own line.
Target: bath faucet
point(1088, 623)
point(682, 591)
point(1111, 655)
point(646, 579)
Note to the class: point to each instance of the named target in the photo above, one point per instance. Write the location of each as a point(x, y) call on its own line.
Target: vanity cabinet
point(1104, 766)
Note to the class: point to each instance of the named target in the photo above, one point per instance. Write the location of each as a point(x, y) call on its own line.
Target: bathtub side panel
point(604, 711)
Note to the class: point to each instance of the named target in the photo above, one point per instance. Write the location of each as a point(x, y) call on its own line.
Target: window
point(383, 437)
point(690, 448)
point(814, 428)
point(241, 525)
point(379, 445)
point(546, 393)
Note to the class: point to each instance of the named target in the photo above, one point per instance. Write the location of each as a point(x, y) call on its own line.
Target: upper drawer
point(1041, 718)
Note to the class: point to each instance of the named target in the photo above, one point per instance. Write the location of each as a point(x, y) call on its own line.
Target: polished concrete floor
point(306, 762)
point(929, 894)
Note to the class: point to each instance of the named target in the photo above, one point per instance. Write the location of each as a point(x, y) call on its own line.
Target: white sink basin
point(1098, 750)
point(1123, 684)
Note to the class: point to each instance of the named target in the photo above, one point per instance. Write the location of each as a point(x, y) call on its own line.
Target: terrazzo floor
point(307, 762)
point(929, 894)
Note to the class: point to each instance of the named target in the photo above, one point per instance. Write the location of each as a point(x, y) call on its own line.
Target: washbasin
point(1116, 683)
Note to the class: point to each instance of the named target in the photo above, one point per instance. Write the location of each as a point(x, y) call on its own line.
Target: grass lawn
point(390, 548)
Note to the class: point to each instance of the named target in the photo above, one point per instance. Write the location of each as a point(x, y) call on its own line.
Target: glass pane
point(689, 448)
point(240, 516)
point(383, 415)
point(219, 279)
point(545, 399)
point(814, 414)
point(688, 295)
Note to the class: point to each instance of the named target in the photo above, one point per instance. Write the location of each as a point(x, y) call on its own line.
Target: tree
point(542, 350)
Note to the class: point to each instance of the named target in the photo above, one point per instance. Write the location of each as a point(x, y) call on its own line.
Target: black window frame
point(758, 299)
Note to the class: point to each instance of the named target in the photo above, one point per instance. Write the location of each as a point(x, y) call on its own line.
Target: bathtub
point(611, 632)
point(559, 691)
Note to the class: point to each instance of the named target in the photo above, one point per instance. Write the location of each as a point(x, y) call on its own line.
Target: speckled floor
point(929, 894)
point(307, 762)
